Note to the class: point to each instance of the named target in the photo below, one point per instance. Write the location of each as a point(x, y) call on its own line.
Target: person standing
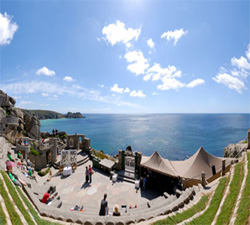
point(104, 209)
point(87, 175)
point(90, 174)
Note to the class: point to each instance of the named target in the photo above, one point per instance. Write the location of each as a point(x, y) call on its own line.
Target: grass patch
point(16, 199)
point(243, 210)
point(208, 216)
point(33, 212)
point(2, 216)
point(14, 217)
point(179, 217)
point(229, 204)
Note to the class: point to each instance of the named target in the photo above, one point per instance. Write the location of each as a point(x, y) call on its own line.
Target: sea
point(174, 136)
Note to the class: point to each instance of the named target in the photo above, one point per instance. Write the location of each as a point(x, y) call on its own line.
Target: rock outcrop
point(235, 150)
point(74, 115)
point(16, 123)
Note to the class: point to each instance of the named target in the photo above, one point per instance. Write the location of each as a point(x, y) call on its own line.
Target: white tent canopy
point(190, 168)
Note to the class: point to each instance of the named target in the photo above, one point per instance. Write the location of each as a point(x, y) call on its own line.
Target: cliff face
point(43, 114)
point(14, 122)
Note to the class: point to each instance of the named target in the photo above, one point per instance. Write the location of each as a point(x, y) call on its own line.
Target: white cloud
point(230, 81)
point(147, 77)
point(101, 85)
point(170, 83)
point(129, 45)
point(138, 64)
point(23, 103)
point(154, 93)
point(45, 94)
point(7, 29)
point(241, 63)
point(127, 90)
point(138, 94)
point(68, 79)
point(150, 43)
point(195, 83)
point(45, 71)
point(159, 73)
point(176, 35)
point(235, 78)
point(55, 90)
point(248, 52)
point(115, 88)
point(115, 33)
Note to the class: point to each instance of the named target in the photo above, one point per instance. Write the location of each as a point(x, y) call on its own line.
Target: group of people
point(88, 174)
point(104, 209)
point(25, 169)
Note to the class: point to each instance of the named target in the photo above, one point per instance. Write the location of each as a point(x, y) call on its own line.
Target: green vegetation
point(243, 210)
point(43, 114)
point(43, 174)
point(33, 212)
point(14, 217)
point(208, 216)
point(229, 204)
point(99, 154)
point(179, 217)
point(2, 216)
point(245, 141)
point(34, 151)
point(16, 198)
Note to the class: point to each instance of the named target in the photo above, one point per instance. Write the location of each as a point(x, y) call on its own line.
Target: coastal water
point(174, 136)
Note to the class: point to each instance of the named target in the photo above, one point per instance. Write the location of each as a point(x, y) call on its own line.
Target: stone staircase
point(126, 176)
point(82, 158)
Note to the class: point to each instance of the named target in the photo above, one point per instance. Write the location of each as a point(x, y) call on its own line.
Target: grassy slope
point(25, 200)
point(229, 204)
point(179, 217)
point(243, 210)
point(14, 217)
point(17, 200)
point(2, 216)
point(208, 216)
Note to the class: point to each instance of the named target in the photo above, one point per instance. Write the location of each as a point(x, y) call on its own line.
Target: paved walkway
point(74, 190)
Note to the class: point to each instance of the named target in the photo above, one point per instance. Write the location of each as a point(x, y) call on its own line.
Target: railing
point(25, 148)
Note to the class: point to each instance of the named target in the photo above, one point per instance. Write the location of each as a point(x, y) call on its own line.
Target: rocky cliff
point(16, 123)
point(74, 115)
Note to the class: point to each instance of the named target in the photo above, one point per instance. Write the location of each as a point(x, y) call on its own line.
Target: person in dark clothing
point(104, 210)
point(87, 175)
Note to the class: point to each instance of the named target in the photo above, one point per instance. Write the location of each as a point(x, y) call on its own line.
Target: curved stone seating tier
point(61, 211)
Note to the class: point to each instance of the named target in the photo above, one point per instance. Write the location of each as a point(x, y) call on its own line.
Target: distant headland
point(47, 114)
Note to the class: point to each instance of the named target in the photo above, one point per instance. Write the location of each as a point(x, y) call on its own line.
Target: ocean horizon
point(175, 136)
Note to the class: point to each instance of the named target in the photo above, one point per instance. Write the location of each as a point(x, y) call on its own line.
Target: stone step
point(125, 179)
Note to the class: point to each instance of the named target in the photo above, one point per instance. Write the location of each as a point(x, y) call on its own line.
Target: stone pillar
point(136, 166)
point(120, 159)
point(54, 150)
point(248, 139)
point(203, 179)
point(139, 164)
point(68, 138)
point(123, 159)
point(223, 170)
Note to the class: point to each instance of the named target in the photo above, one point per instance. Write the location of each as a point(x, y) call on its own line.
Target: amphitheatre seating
point(58, 210)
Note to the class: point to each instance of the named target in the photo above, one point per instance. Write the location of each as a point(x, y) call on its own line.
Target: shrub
point(34, 151)
point(40, 173)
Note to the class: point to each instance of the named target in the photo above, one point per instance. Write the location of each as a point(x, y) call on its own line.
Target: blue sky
point(126, 56)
